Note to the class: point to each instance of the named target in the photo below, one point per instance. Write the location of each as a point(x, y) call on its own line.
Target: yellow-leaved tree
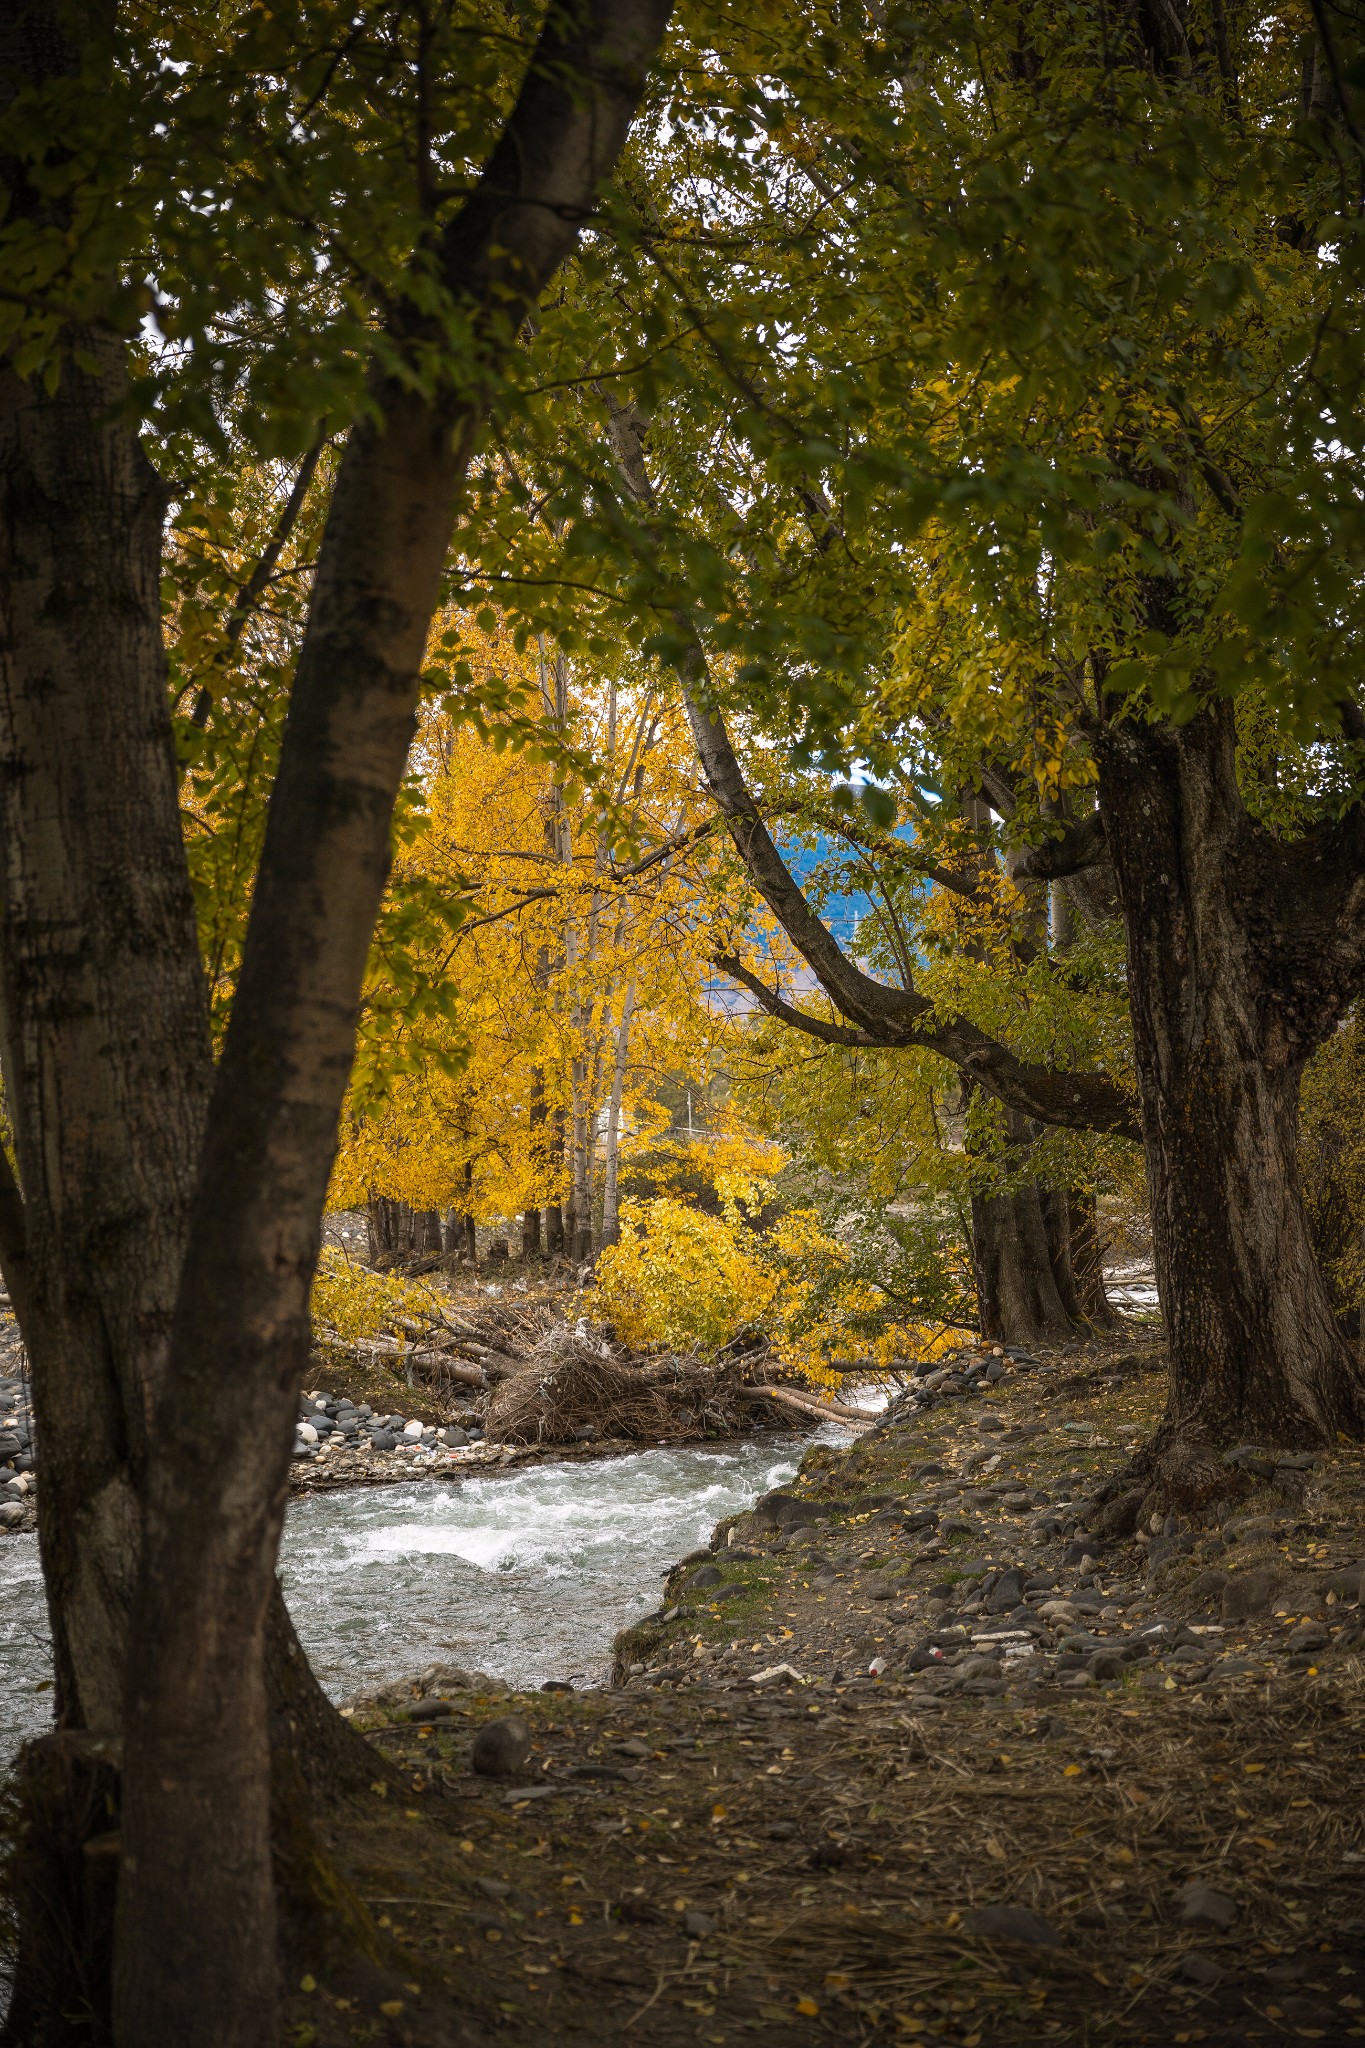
point(566, 886)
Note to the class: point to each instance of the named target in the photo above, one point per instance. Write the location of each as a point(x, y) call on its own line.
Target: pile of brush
point(576, 1385)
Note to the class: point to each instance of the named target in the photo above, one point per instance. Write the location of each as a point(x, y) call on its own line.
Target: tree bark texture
point(1242, 955)
point(195, 1951)
point(1020, 1300)
point(106, 1048)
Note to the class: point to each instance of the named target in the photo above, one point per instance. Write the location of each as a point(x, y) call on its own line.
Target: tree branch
point(1081, 846)
point(880, 1015)
point(256, 583)
point(787, 1013)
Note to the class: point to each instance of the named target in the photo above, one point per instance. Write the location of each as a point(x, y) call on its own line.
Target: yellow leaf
point(1072, 1771)
point(807, 2008)
point(308, 1983)
point(391, 2007)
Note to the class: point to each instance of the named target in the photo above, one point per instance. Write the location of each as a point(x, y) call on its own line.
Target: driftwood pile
point(576, 1384)
point(457, 1348)
point(545, 1381)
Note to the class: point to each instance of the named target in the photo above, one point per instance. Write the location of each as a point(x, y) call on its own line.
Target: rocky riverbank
point(951, 1551)
point(909, 1752)
point(18, 1480)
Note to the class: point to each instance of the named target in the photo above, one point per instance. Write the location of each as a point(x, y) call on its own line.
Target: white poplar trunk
point(612, 1152)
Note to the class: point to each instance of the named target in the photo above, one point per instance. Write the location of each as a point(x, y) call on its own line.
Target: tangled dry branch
point(576, 1383)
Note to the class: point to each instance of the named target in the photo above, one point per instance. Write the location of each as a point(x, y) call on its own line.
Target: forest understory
point(1091, 1791)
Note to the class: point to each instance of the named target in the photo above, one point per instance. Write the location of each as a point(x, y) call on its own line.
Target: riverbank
point(362, 1465)
point(1091, 1793)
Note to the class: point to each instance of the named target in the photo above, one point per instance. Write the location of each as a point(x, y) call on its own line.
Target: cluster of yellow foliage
point(356, 1303)
point(829, 1317)
point(555, 962)
point(681, 1278)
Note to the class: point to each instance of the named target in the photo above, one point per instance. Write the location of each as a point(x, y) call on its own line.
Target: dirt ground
point(1129, 1811)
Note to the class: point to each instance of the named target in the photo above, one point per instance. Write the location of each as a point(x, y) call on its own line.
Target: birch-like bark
point(611, 1219)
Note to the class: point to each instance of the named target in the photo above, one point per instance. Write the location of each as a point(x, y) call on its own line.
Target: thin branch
point(251, 592)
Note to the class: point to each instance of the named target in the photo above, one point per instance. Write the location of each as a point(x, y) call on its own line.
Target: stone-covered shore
point(910, 1753)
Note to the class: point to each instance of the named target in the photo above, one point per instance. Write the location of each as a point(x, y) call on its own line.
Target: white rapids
point(527, 1577)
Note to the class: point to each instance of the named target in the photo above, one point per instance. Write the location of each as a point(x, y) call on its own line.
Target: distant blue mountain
point(841, 914)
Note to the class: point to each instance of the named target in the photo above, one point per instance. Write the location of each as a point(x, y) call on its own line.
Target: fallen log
point(461, 1370)
point(807, 1404)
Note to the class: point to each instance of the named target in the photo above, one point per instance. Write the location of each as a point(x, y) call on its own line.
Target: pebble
point(1012, 1923)
point(1202, 1906)
point(1201, 1970)
point(501, 1747)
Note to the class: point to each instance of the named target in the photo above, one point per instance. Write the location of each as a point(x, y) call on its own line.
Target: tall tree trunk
point(196, 1941)
point(1087, 1259)
point(467, 1224)
point(103, 1010)
point(580, 1234)
point(1017, 1291)
point(103, 1001)
point(1056, 1214)
point(1255, 1351)
point(530, 1233)
point(1019, 1300)
point(611, 1226)
point(557, 1236)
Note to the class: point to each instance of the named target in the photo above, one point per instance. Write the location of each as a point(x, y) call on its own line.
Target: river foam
point(527, 1576)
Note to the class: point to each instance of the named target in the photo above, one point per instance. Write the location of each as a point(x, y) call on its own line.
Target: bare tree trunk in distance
point(1087, 1259)
point(1019, 1299)
point(611, 1224)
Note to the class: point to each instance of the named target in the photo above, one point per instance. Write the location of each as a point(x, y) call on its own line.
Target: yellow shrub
point(824, 1307)
point(680, 1278)
point(356, 1303)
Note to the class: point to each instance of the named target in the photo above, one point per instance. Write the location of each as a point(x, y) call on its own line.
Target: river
point(527, 1576)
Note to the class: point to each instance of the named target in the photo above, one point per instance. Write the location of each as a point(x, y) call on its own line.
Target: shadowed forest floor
point(1159, 1786)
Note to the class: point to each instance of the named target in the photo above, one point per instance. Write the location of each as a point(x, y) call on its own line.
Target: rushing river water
point(527, 1577)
